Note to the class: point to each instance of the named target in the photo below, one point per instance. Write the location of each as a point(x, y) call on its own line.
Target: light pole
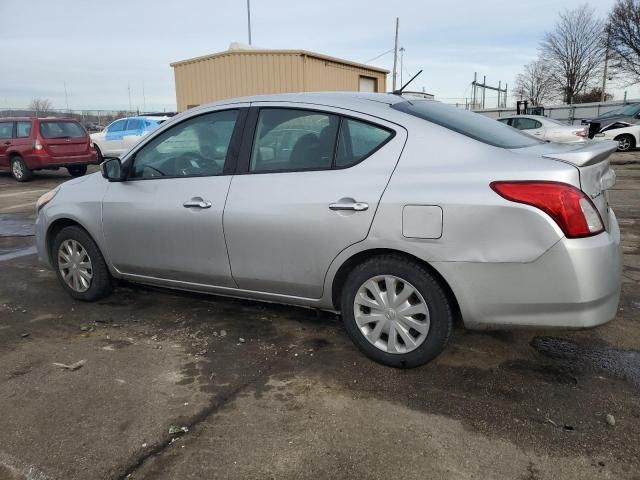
point(249, 19)
point(401, 64)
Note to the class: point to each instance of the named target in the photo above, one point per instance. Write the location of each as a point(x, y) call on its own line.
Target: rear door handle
point(197, 204)
point(357, 206)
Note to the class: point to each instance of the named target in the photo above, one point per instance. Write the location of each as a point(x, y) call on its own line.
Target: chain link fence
point(92, 120)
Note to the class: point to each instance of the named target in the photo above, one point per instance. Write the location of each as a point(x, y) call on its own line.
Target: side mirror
point(111, 169)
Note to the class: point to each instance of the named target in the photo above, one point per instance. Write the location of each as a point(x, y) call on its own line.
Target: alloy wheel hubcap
point(17, 169)
point(75, 266)
point(624, 144)
point(391, 314)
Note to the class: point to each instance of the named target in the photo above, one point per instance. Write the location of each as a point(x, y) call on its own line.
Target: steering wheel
point(185, 162)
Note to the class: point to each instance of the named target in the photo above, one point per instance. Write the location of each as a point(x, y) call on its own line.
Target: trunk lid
point(62, 138)
point(592, 161)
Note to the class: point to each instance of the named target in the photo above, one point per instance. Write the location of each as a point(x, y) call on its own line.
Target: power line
point(381, 55)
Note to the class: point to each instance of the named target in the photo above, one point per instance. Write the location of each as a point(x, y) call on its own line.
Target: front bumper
point(41, 239)
point(575, 284)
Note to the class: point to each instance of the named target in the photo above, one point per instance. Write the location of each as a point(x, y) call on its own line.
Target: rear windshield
point(473, 125)
point(627, 110)
point(61, 130)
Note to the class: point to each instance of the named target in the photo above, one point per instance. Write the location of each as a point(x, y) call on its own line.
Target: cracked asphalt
point(268, 391)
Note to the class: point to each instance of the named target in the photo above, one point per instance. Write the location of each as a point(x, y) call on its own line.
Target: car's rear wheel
point(396, 312)
point(99, 156)
point(80, 266)
point(19, 170)
point(77, 170)
point(625, 143)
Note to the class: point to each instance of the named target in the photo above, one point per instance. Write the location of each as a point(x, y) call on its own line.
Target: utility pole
point(395, 55)
point(484, 89)
point(606, 61)
point(401, 64)
point(129, 90)
point(249, 19)
point(144, 99)
point(66, 96)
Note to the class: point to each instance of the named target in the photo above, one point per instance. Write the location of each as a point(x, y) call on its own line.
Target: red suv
point(28, 144)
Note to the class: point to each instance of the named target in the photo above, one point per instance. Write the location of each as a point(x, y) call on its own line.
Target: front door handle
point(357, 206)
point(197, 204)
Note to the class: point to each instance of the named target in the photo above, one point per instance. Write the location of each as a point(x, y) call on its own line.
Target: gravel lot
point(267, 391)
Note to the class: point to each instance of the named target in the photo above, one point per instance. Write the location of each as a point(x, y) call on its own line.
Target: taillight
point(581, 133)
point(571, 209)
point(38, 147)
point(90, 142)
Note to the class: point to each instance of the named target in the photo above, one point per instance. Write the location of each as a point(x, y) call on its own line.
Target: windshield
point(627, 110)
point(58, 129)
point(473, 125)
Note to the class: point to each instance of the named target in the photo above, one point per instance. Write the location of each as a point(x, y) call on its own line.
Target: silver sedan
point(353, 203)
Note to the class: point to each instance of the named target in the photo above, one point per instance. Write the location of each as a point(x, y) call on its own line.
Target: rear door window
point(23, 129)
point(525, 123)
point(134, 124)
point(293, 140)
point(472, 125)
point(6, 130)
point(61, 130)
point(358, 140)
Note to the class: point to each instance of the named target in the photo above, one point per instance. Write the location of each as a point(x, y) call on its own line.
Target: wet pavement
point(267, 391)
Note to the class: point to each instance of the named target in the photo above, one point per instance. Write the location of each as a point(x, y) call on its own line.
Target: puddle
point(591, 356)
point(14, 226)
point(18, 253)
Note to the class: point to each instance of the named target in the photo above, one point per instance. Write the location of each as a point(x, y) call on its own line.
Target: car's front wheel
point(396, 312)
point(80, 266)
point(77, 170)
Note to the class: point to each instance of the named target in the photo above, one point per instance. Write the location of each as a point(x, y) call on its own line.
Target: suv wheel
point(396, 312)
point(99, 156)
point(77, 170)
point(19, 170)
point(80, 266)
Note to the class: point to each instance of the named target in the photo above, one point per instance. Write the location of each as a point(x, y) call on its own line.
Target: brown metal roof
point(259, 51)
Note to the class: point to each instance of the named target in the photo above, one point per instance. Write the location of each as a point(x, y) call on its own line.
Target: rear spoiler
point(588, 154)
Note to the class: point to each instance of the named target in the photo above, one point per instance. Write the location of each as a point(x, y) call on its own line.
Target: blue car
point(119, 136)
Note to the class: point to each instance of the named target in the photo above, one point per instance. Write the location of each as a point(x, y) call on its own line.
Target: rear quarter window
point(6, 130)
point(61, 130)
point(472, 125)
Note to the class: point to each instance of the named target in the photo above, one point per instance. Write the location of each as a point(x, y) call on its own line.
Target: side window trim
point(244, 159)
point(230, 159)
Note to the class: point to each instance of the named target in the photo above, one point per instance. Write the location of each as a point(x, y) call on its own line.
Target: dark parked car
point(28, 144)
point(627, 114)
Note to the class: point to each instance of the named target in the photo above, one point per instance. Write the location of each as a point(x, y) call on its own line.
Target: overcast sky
point(101, 48)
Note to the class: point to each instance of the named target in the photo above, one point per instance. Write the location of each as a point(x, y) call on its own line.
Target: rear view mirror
point(111, 169)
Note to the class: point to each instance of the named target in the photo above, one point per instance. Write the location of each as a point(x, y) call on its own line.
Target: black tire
point(99, 156)
point(77, 170)
point(625, 143)
point(101, 283)
point(19, 170)
point(440, 312)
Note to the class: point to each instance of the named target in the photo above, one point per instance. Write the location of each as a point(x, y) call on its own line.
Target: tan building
point(240, 72)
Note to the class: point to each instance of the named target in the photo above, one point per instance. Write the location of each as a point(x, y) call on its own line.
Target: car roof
point(48, 119)
point(535, 117)
point(335, 99)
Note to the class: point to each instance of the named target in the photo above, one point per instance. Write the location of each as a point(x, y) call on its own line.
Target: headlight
point(46, 198)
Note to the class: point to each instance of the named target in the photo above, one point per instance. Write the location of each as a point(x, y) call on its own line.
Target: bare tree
point(41, 106)
point(624, 38)
point(534, 83)
point(574, 52)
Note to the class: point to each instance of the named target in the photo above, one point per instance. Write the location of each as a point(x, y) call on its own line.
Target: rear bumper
point(37, 162)
point(575, 284)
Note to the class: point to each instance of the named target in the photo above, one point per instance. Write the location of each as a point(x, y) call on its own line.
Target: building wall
point(237, 74)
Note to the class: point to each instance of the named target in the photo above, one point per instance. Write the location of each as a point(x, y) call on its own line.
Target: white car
point(547, 128)
point(626, 134)
point(124, 133)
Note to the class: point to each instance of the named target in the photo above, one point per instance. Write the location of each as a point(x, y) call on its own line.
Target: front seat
point(304, 154)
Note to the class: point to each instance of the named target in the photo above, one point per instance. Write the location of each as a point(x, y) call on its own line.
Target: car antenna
point(401, 89)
